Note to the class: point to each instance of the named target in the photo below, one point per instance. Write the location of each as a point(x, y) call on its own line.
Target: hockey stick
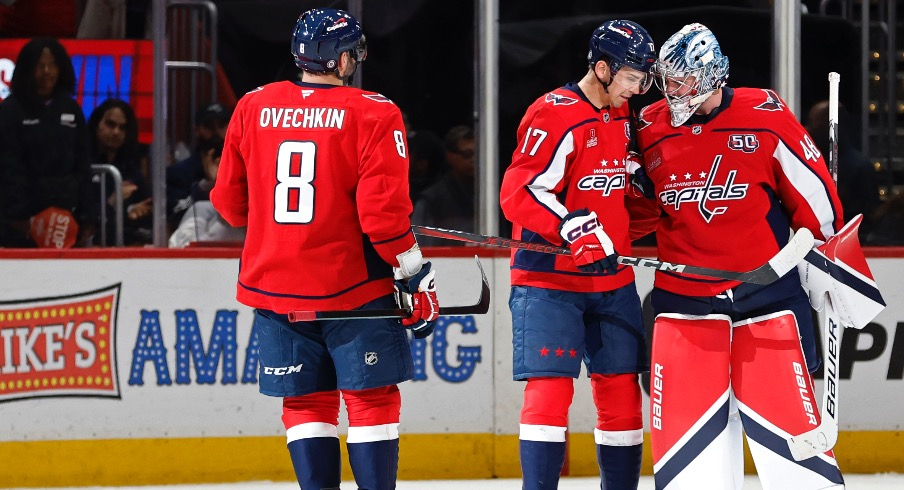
point(779, 265)
point(482, 306)
point(823, 437)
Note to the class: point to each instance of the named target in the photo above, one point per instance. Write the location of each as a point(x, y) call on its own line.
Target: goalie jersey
point(570, 155)
point(319, 174)
point(732, 185)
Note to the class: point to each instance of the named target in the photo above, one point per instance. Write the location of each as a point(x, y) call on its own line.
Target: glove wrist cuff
point(410, 263)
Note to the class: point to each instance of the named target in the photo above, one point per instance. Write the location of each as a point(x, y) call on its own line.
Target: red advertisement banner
point(123, 69)
point(63, 346)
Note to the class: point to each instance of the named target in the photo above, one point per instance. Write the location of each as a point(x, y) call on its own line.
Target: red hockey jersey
point(570, 156)
point(731, 184)
point(319, 174)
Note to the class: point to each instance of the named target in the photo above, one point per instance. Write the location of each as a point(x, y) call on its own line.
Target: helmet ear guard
point(690, 68)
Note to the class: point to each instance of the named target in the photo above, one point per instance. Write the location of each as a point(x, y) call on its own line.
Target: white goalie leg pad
point(691, 441)
point(780, 472)
point(776, 398)
point(714, 467)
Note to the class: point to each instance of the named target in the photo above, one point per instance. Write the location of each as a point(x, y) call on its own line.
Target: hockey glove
point(417, 294)
point(590, 245)
point(641, 185)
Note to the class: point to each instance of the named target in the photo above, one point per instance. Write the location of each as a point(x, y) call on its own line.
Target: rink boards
point(138, 367)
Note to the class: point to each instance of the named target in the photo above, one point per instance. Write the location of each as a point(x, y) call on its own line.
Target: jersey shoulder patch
point(772, 103)
point(558, 99)
point(377, 98)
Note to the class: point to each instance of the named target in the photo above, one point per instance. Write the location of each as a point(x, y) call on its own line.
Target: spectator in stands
point(114, 140)
point(202, 223)
point(858, 183)
point(103, 19)
point(426, 161)
point(44, 145)
point(888, 223)
point(210, 122)
point(450, 202)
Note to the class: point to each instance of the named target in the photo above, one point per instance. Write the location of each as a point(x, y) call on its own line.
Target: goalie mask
point(623, 43)
point(690, 68)
point(322, 35)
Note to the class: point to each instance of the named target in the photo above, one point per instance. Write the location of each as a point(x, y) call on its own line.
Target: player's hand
point(590, 245)
point(641, 185)
point(417, 294)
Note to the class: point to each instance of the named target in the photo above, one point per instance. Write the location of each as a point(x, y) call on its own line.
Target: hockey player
point(318, 171)
point(566, 184)
point(733, 172)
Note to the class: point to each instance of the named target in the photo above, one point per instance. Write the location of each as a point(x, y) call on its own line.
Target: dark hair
point(23, 81)
point(216, 144)
point(456, 134)
point(129, 152)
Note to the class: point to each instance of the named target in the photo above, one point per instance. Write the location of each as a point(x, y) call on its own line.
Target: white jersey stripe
point(550, 178)
point(808, 185)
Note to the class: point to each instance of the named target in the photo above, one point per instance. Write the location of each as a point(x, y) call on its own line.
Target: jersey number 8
point(293, 201)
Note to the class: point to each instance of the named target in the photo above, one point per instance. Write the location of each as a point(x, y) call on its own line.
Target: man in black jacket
point(43, 146)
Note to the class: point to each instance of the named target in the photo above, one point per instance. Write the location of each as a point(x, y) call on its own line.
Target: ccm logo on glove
point(582, 229)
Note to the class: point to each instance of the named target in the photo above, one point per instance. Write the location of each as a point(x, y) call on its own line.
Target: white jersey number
point(293, 201)
point(811, 151)
point(539, 134)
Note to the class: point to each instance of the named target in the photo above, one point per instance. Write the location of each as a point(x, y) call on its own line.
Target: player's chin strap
point(841, 287)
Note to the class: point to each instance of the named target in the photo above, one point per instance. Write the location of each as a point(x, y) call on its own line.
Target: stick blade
point(483, 303)
point(812, 443)
point(795, 251)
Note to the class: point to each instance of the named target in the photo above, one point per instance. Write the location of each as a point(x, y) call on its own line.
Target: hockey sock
point(541, 464)
point(373, 436)
point(619, 429)
point(544, 420)
point(313, 438)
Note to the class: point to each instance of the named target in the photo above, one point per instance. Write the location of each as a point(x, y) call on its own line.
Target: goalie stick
point(824, 437)
point(779, 265)
point(482, 306)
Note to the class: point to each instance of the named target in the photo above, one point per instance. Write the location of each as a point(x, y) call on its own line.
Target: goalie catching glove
point(590, 245)
point(415, 291)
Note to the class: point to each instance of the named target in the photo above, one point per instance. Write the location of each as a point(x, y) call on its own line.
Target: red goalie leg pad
point(321, 407)
point(546, 401)
point(688, 380)
point(373, 407)
point(618, 402)
point(769, 374)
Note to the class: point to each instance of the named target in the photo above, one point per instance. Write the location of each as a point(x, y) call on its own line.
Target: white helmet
point(693, 60)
